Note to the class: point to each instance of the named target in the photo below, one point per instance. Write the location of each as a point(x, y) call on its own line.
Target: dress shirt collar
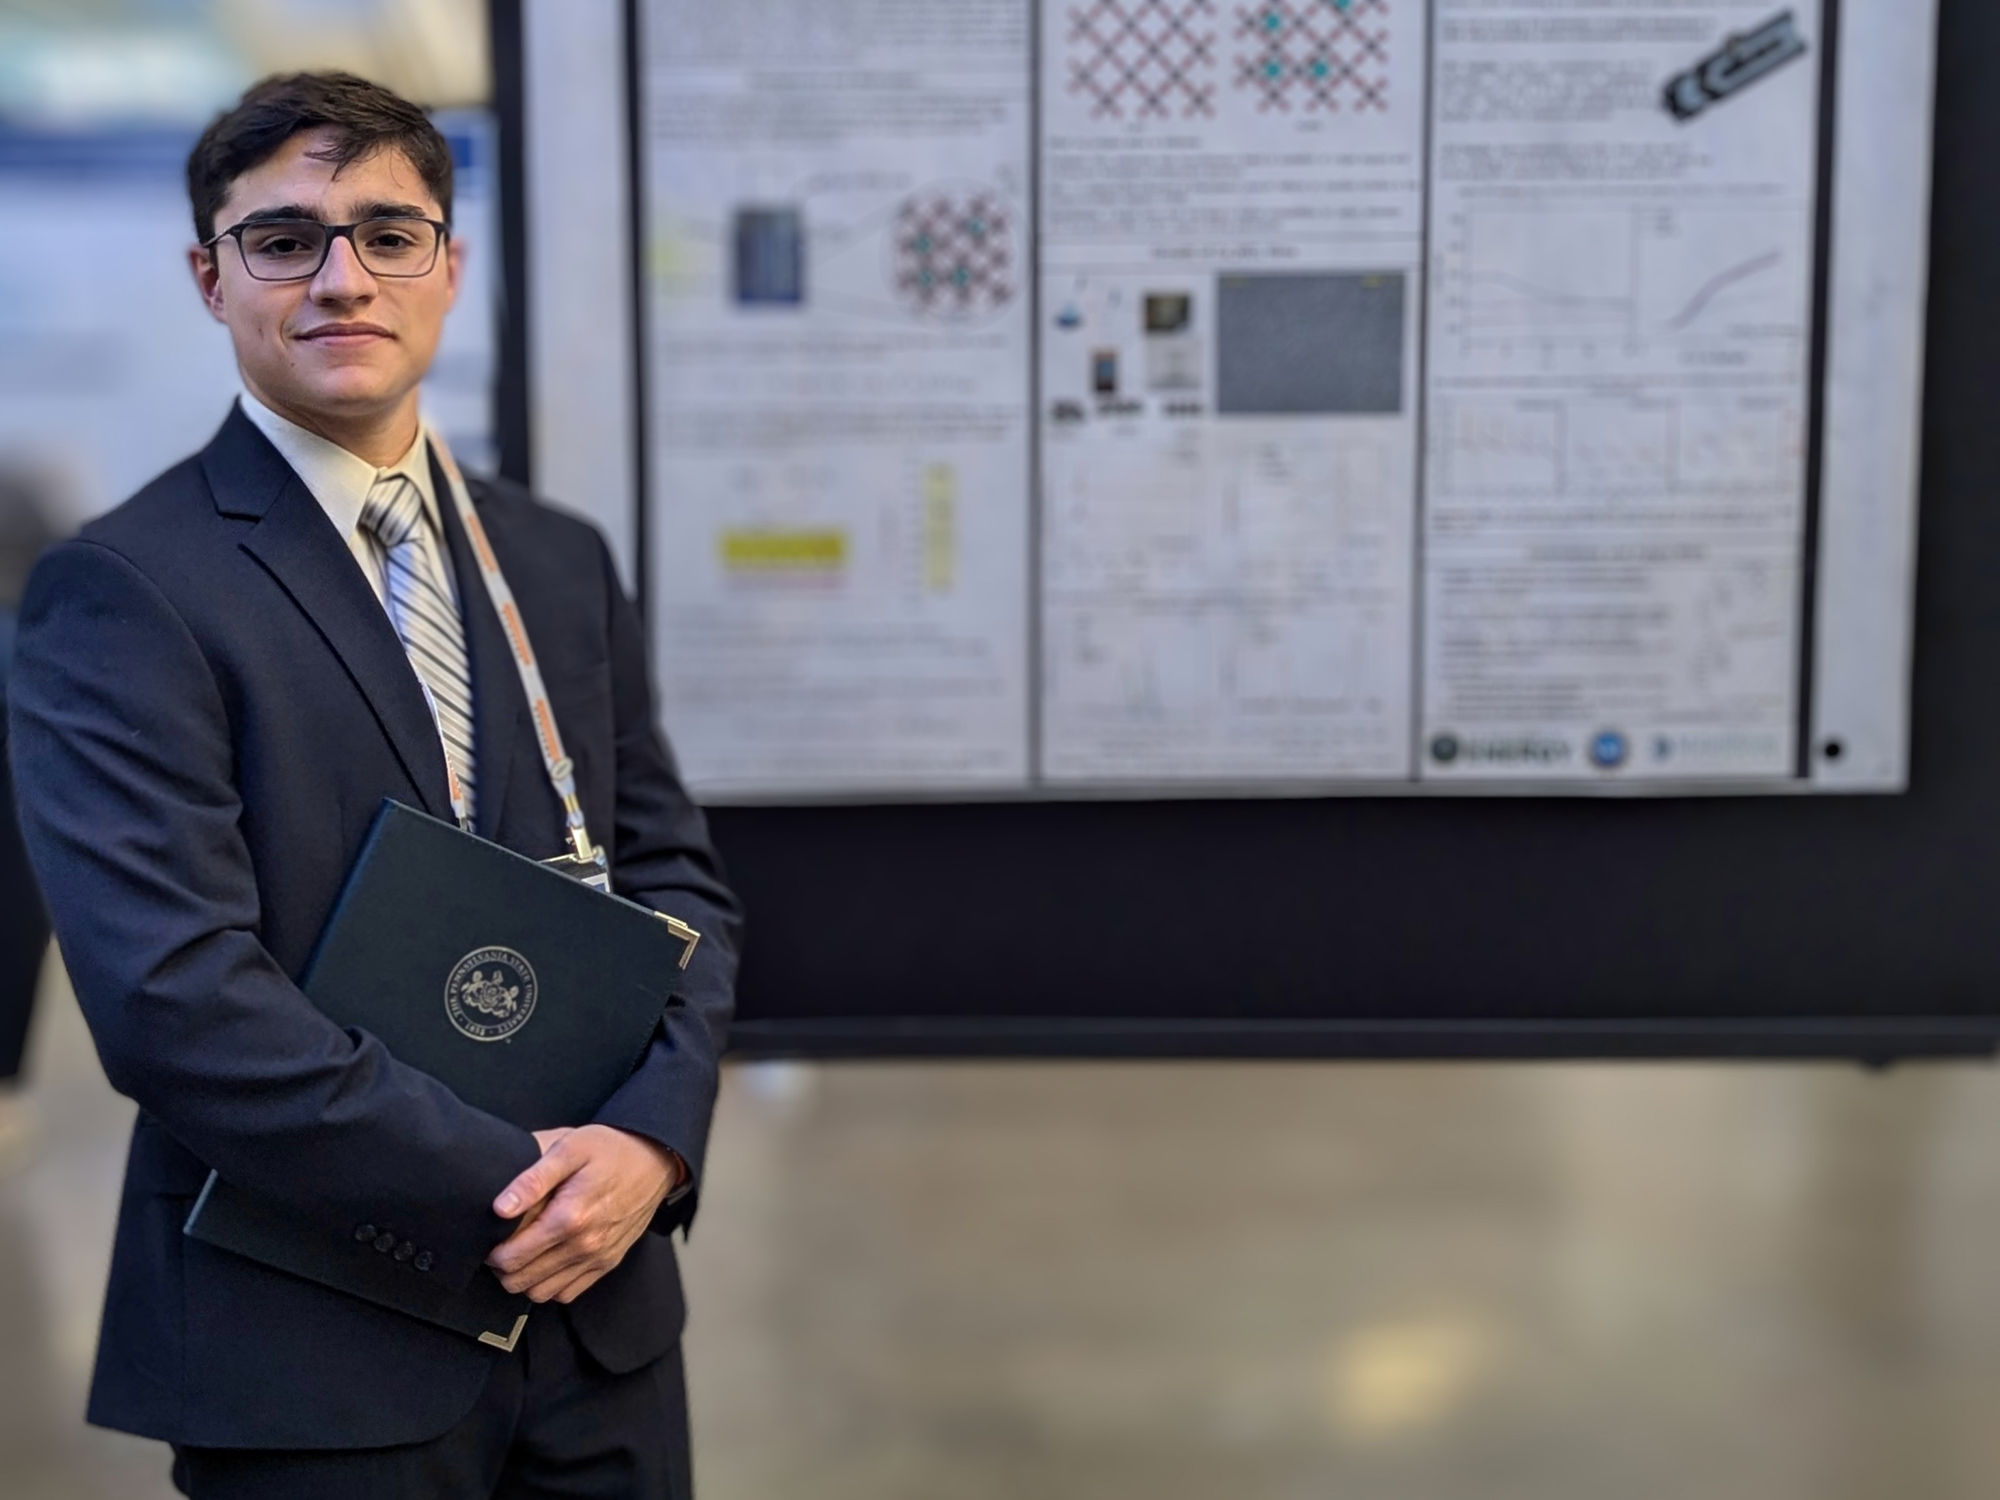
point(340, 480)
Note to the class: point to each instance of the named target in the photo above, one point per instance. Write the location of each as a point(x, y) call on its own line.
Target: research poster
point(840, 236)
point(1231, 251)
point(1618, 388)
point(1135, 397)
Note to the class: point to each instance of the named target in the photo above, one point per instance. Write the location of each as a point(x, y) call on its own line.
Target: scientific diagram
point(954, 254)
point(1327, 55)
point(1730, 272)
point(1546, 274)
point(1144, 59)
point(1617, 286)
point(1668, 443)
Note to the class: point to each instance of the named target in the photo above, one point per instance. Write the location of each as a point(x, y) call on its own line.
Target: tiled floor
point(1094, 1283)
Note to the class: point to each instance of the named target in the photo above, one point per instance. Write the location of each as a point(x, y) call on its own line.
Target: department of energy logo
point(1531, 751)
point(491, 994)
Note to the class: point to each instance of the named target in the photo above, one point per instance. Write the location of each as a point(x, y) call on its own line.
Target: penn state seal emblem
point(491, 994)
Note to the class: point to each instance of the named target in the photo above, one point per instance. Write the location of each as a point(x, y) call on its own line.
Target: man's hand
point(582, 1206)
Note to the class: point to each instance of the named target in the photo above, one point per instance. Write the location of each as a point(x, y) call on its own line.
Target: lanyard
point(583, 856)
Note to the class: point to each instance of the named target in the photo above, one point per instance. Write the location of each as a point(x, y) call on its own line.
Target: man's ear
point(454, 266)
point(207, 279)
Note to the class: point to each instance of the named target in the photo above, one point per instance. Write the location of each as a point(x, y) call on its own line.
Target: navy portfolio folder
point(527, 993)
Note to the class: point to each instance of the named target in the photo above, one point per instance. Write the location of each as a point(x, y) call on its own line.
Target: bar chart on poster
point(1271, 397)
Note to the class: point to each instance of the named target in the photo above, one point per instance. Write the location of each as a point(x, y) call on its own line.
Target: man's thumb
point(535, 1184)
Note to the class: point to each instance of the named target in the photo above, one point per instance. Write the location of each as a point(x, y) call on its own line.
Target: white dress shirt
point(340, 482)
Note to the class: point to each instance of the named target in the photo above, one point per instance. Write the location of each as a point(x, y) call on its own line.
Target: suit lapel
point(498, 704)
point(299, 547)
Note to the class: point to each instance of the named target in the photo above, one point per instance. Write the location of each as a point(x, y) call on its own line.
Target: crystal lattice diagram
point(1329, 55)
point(954, 254)
point(1144, 59)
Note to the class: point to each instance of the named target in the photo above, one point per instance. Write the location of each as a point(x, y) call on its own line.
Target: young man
point(215, 687)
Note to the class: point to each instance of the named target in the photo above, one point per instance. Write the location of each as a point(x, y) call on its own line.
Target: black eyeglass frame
point(333, 232)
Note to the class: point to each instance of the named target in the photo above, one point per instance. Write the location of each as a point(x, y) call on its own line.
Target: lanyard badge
point(583, 859)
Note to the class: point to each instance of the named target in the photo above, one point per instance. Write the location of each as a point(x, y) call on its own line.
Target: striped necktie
point(425, 617)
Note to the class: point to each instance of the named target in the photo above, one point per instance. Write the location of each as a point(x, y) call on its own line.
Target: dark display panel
point(1460, 927)
point(1865, 927)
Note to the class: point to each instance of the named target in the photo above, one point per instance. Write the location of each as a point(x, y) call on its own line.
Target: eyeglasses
point(295, 249)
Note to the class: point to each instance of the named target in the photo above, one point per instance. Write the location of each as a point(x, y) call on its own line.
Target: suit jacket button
point(364, 1233)
point(406, 1252)
point(385, 1242)
point(425, 1260)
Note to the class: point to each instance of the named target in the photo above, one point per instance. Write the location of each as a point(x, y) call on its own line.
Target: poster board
point(1273, 915)
point(1254, 397)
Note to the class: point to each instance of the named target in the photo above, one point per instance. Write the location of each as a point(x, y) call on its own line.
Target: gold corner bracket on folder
point(506, 1345)
point(682, 931)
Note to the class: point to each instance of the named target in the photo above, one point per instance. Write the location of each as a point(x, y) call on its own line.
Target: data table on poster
point(1131, 397)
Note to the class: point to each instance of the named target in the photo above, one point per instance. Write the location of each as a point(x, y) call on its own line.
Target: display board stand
point(1810, 927)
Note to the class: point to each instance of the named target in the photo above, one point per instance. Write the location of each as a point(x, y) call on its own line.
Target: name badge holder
point(583, 860)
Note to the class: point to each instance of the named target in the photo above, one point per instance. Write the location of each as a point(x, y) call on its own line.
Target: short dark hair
point(364, 118)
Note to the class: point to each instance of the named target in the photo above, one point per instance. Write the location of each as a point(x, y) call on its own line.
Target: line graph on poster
point(1626, 288)
point(1548, 275)
point(1721, 273)
point(1665, 444)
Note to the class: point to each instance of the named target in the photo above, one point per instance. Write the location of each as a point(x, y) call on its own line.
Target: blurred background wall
point(109, 368)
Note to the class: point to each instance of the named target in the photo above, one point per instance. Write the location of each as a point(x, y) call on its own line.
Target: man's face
point(344, 346)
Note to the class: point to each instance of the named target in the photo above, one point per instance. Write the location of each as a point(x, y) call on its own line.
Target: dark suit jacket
point(208, 707)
